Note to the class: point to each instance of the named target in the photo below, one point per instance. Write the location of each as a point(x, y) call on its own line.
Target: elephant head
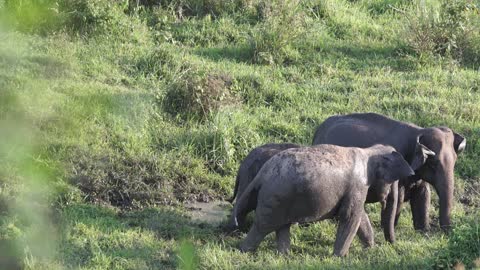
point(439, 147)
point(389, 167)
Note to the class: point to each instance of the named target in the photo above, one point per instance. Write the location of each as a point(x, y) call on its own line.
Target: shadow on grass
point(143, 239)
point(359, 57)
point(355, 57)
point(237, 54)
point(40, 66)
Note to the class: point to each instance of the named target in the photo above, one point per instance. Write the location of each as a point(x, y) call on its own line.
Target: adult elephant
point(440, 146)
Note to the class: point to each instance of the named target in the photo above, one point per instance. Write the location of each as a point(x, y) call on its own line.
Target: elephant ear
point(459, 142)
point(421, 154)
point(393, 167)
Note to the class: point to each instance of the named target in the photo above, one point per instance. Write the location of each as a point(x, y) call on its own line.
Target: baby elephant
point(314, 183)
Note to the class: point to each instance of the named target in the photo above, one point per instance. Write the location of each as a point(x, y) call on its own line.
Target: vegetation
point(114, 114)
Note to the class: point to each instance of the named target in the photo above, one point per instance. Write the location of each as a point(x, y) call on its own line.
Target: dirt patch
point(214, 212)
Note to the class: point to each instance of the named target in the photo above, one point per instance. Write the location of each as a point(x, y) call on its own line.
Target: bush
point(273, 41)
point(90, 15)
point(198, 95)
point(103, 17)
point(448, 30)
point(161, 63)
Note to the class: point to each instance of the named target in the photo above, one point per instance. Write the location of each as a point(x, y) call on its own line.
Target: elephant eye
point(432, 162)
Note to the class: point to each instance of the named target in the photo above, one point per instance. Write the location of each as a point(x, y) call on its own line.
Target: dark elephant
point(308, 184)
point(439, 145)
point(249, 168)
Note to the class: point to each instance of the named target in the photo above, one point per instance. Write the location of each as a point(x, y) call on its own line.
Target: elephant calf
point(314, 183)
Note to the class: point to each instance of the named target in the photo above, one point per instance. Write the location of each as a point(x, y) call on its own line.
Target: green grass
point(96, 161)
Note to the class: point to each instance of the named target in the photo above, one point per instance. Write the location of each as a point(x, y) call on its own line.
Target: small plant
point(160, 63)
point(273, 41)
point(198, 95)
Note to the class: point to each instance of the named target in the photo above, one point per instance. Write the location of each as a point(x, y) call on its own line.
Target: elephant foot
point(391, 240)
point(424, 228)
point(244, 249)
point(253, 239)
point(283, 239)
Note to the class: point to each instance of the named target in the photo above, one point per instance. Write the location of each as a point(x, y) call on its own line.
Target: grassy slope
point(94, 107)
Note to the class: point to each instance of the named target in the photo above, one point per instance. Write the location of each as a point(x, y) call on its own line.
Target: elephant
point(258, 156)
point(439, 146)
point(307, 184)
point(249, 168)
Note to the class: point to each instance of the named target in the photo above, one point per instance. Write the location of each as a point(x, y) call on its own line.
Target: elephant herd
point(355, 159)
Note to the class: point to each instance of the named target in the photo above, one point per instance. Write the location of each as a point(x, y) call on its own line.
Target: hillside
point(115, 114)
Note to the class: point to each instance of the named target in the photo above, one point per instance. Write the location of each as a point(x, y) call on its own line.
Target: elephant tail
point(248, 197)
point(235, 190)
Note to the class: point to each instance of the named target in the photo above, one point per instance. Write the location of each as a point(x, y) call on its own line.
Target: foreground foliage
point(115, 114)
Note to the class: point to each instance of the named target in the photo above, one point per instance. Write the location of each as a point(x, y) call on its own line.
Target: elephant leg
point(400, 200)
point(253, 239)
point(349, 221)
point(389, 211)
point(365, 232)
point(283, 239)
point(420, 203)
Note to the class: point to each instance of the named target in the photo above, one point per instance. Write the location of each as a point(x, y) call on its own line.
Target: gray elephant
point(314, 183)
point(385, 193)
point(439, 146)
point(249, 168)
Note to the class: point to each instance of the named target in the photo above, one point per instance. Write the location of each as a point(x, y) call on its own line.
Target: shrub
point(273, 41)
point(84, 15)
point(160, 63)
point(198, 95)
point(102, 17)
point(448, 30)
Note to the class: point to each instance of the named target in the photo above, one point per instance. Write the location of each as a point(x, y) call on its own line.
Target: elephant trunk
point(444, 189)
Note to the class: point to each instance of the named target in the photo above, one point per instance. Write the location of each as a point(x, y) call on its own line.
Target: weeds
point(448, 30)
